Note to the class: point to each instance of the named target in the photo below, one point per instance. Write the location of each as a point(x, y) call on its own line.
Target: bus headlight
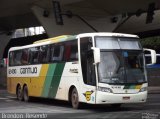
point(143, 89)
point(104, 89)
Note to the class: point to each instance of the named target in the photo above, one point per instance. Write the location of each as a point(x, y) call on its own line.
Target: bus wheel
point(75, 99)
point(25, 94)
point(19, 93)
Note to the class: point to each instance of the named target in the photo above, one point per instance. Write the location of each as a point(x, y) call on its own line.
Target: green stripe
point(133, 87)
point(126, 87)
point(56, 80)
point(48, 79)
point(129, 86)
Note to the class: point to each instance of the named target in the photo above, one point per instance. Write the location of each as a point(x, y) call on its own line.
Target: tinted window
point(24, 57)
point(158, 60)
point(34, 55)
point(44, 54)
point(57, 52)
point(71, 51)
point(67, 51)
point(17, 59)
point(11, 59)
point(87, 60)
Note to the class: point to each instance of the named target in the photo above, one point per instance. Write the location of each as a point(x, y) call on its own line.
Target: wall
point(154, 77)
point(3, 78)
point(4, 39)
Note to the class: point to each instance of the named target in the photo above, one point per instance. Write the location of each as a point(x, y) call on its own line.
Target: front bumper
point(111, 98)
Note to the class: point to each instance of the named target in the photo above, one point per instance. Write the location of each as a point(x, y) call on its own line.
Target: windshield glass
point(134, 66)
point(110, 68)
point(122, 60)
point(121, 67)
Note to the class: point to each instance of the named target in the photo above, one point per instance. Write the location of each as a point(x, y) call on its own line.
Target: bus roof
point(107, 34)
point(63, 38)
point(57, 39)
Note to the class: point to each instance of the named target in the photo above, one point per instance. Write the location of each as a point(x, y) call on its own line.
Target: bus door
point(88, 88)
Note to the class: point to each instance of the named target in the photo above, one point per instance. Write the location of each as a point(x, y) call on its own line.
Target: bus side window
point(57, 53)
point(74, 56)
point(18, 55)
point(11, 58)
point(34, 55)
point(71, 51)
point(67, 53)
point(24, 58)
point(44, 54)
point(74, 53)
point(148, 57)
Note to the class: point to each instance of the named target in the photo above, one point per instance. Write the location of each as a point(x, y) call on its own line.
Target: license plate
point(126, 98)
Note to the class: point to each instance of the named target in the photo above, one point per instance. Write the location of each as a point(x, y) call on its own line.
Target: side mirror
point(150, 56)
point(96, 53)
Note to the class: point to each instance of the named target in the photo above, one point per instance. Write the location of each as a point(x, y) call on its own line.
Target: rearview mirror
point(96, 52)
point(150, 56)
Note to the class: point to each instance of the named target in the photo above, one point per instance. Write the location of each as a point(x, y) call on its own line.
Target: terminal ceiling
point(17, 13)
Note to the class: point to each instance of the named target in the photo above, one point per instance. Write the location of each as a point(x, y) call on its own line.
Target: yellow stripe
point(38, 82)
point(54, 39)
point(138, 86)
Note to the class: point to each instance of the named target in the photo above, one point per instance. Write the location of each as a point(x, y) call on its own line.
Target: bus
point(93, 68)
point(153, 66)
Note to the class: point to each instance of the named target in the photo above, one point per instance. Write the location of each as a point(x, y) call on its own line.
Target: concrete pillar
point(4, 39)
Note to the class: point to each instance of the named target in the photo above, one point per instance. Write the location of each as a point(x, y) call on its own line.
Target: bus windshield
point(121, 65)
point(106, 42)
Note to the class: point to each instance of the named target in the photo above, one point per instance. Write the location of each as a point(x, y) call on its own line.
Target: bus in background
point(94, 68)
point(3, 62)
point(148, 60)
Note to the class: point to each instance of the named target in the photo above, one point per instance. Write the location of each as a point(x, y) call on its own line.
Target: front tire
point(75, 99)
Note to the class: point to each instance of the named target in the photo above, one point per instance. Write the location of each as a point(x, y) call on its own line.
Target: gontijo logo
point(88, 94)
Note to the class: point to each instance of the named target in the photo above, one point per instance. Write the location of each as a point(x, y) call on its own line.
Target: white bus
point(148, 61)
point(94, 68)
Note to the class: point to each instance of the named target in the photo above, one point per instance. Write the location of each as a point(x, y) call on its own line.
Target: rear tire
point(75, 99)
point(25, 94)
point(19, 93)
